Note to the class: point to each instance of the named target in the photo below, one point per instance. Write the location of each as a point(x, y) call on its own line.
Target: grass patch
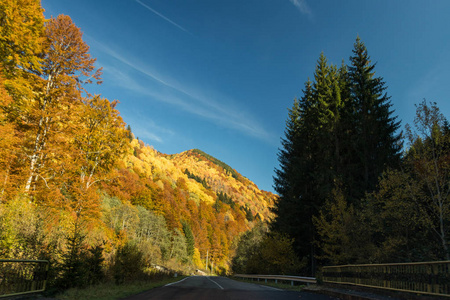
point(284, 285)
point(111, 291)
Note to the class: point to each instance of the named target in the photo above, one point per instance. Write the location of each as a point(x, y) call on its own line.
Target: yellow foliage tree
point(21, 40)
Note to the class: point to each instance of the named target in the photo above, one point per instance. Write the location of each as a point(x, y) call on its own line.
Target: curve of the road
point(221, 288)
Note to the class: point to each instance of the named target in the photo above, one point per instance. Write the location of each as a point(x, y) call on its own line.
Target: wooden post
point(207, 252)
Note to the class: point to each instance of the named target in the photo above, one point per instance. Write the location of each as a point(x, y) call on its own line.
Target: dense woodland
point(354, 188)
point(77, 188)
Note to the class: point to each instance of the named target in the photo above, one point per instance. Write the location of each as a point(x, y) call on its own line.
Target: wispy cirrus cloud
point(302, 6)
point(220, 111)
point(147, 129)
point(162, 16)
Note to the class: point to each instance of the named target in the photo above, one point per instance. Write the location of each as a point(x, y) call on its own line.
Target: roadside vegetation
point(112, 291)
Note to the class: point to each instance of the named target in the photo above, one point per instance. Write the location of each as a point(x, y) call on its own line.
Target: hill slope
point(193, 189)
point(221, 178)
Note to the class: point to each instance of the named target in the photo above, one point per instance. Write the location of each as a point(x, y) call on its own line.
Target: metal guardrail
point(20, 277)
point(428, 278)
point(292, 279)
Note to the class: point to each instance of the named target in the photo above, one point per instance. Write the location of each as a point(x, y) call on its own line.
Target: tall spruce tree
point(284, 180)
point(322, 120)
point(376, 143)
point(310, 158)
point(340, 133)
point(292, 210)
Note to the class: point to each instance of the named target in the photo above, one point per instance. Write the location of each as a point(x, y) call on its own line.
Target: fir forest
point(79, 189)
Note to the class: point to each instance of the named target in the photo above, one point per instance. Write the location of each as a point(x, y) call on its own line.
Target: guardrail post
point(275, 278)
point(46, 276)
point(426, 278)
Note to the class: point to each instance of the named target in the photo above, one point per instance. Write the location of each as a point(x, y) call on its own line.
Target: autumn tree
point(427, 161)
point(98, 145)
point(398, 230)
point(248, 247)
point(19, 229)
point(8, 143)
point(274, 249)
point(178, 246)
point(66, 66)
point(342, 235)
point(21, 40)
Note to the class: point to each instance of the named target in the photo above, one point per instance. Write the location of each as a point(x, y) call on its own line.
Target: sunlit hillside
point(221, 178)
point(196, 190)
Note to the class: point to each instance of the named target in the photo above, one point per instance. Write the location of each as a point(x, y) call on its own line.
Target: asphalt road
point(220, 288)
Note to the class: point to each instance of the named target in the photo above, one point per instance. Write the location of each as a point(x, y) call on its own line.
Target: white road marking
point(177, 281)
point(270, 287)
point(215, 283)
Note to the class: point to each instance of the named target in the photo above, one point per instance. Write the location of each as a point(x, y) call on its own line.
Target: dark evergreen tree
point(341, 133)
point(190, 240)
point(72, 263)
point(321, 122)
point(293, 179)
point(377, 144)
point(130, 134)
point(283, 182)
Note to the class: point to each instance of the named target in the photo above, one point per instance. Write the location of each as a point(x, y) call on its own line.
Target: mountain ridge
point(193, 189)
point(227, 182)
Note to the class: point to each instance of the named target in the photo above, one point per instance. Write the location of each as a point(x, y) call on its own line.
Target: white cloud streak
point(189, 100)
point(162, 16)
point(149, 130)
point(302, 6)
point(148, 135)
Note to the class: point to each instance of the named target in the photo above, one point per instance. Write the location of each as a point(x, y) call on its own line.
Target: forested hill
point(79, 190)
point(205, 179)
point(195, 193)
point(224, 180)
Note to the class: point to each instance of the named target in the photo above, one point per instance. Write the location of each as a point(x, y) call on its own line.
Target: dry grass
point(111, 291)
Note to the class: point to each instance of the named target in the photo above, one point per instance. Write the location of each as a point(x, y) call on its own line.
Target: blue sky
point(220, 75)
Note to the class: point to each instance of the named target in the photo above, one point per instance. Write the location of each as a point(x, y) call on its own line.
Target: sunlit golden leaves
point(21, 35)
point(53, 114)
point(101, 140)
point(67, 55)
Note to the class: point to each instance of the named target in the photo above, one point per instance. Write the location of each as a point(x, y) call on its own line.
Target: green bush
point(128, 264)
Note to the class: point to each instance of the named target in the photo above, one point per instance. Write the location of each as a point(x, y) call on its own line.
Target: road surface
point(220, 288)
